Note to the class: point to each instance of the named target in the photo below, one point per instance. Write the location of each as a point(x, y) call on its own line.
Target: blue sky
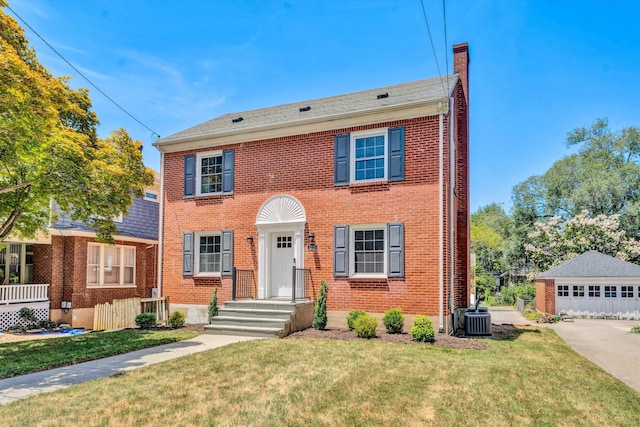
point(538, 68)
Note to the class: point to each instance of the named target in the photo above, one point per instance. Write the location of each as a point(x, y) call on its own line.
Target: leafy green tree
point(49, 149)
point(490, 229)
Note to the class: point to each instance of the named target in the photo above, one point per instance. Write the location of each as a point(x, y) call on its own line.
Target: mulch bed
point(346, 334)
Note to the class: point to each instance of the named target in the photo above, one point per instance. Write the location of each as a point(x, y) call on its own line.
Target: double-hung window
point(369, 251)
point(209, 254)
point(209, 173)
point(369, 156)
point(368, 159)
point(110, 265)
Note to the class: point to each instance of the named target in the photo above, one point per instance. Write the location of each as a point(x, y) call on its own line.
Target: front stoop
point(261, 318)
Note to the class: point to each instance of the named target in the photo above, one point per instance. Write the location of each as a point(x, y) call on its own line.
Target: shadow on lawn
point(510, 332)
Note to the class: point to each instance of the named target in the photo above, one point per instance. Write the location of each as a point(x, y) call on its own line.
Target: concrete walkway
point(607, 343)
point(27, 385)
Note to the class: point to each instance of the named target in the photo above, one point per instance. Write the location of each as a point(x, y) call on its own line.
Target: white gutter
point(441, 220)
point(160, 226)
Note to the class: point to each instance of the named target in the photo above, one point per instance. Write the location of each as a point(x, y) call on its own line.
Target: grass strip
point(36, 355)
point(528, 378)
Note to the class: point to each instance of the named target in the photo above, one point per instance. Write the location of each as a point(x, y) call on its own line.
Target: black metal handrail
point(242, 284)
point(301, 278)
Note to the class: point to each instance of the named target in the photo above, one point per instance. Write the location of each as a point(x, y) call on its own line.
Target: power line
point(433, 48)
point(153, 133)
point(446, 44)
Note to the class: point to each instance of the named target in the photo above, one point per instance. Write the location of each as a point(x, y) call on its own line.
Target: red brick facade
point(302, 166)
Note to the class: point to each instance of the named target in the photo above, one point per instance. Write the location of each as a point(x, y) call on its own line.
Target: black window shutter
point(396, 154)
point(395, 249)
point(189, 175)
point(341, 250)
point(341, 160)
point(187, 254)
point(227, 171)
point(227, 252)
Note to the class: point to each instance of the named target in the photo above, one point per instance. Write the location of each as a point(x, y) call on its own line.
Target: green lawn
point(531, 378)
point(22, 357)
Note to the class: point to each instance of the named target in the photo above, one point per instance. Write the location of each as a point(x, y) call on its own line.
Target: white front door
point(282, 256)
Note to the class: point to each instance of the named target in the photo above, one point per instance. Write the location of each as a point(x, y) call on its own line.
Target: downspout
point(452, 183)
point(441, 219)
point(160, 226)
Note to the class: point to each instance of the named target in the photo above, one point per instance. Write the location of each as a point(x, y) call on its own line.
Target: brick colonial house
point(368, 191)
point(64, 273)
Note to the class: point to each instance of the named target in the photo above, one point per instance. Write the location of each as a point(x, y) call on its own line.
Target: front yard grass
point(22, 357)
point(529, 377)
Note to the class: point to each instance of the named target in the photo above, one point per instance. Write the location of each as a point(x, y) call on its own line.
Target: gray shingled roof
point(593, 264)
point(405, 93)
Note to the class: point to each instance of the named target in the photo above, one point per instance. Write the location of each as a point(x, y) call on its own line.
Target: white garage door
point(599, 301)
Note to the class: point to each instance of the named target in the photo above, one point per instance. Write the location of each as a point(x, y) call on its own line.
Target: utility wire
point(433, 48)
point(153, 133)
point(446, 44)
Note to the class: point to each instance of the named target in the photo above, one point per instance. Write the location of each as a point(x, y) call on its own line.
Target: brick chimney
point(461, 66)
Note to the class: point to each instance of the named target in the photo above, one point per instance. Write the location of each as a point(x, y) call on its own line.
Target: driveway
point(607, 343)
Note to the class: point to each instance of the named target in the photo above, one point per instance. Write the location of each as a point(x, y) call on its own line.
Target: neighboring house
point(591, 285)
point(64, 273)
point(368, 191)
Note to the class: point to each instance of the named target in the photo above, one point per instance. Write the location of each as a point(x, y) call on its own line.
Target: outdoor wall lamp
point(250, 239)
point(312, 237)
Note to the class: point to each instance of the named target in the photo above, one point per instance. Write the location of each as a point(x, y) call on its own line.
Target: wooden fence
point(122, 313)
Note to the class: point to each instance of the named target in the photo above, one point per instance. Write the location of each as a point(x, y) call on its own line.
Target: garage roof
point(593, 264)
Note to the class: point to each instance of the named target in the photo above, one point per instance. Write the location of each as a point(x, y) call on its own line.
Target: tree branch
point(26, 185)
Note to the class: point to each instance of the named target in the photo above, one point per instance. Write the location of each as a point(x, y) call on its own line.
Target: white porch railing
point(12, 294)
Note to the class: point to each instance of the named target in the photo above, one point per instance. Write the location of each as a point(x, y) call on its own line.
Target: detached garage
point(591, 285)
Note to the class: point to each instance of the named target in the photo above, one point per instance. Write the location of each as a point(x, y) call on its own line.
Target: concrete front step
point(250, 321)
point(266, 304)
point(261, 318)
point(253, 331)
point(257, 313)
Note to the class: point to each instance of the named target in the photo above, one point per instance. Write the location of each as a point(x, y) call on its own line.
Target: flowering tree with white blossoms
point(558, 240)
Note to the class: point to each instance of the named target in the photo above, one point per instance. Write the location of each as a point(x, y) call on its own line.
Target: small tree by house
point(320, 313)
point(213, 305)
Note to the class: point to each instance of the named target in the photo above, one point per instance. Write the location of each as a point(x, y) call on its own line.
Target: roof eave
point(322, 123)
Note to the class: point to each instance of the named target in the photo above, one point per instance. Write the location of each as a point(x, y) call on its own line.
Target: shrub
point(353, 315)
point(422, 330)
point(47, 324)
point(213, 305)
point(393, 320)
point(635, 329)
point(365, 326)
point(320, 312)
point(176, 320)
point(146, 320)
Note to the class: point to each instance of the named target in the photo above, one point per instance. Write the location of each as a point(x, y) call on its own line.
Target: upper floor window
point(209, 173)
point(369, 156)
point(151, 196)
point(368, 159)
point(110, 265)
